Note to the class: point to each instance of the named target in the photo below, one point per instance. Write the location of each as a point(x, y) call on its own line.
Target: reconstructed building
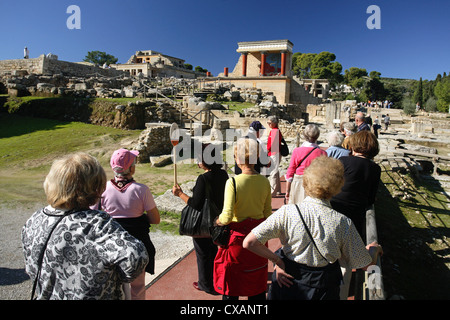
point(155, 64)
point(267, 65)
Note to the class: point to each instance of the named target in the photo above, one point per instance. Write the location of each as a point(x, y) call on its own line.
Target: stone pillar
point(283, 63)
point(225, 71)
point(244, 64)
point(263, 64)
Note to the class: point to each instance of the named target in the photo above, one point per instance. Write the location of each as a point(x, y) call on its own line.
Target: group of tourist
point(92, 240)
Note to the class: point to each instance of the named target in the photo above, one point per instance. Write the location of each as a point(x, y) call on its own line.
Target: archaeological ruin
point(165, 92)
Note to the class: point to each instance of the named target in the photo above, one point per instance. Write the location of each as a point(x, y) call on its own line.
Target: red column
point(283, 63)
point(244, 64)
point(225, 71)
point(263, 64)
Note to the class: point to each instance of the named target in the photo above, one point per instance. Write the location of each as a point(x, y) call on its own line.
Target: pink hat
point(122, 159)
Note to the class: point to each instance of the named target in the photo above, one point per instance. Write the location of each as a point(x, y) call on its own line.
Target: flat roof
point(266, 45)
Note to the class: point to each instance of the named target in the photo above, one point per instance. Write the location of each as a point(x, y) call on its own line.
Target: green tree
point(418, 93)
point(442, 93)
point(318, 66)
point(354, 77)
point(100, 58)
point(200, 69)
point(408, 105)
point(188, 66)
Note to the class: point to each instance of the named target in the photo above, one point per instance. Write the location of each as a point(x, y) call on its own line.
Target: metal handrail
point(373, 288)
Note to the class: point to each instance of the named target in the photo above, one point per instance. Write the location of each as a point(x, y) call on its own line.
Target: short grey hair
point(273, 119)
point(349, 128)
point(311, 133)
point(335, 138)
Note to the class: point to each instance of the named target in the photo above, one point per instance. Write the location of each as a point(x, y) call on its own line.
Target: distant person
point(376, 126)
point(247, 203)
point(307, 268)
point(26, 53)
point(335, 150)
point(273, 149)
point(214, 177)
point(387, 122)
point(132, 205)
point(88, 256)
point(255, 131)
point(361, 122)
point(301, 158)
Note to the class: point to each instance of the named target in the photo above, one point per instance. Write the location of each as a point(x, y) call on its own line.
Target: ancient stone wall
point(22, 66)
point(154, 141)
point(44, 65)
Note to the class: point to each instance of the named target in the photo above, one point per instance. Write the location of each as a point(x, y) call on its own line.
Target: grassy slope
point(29, 145)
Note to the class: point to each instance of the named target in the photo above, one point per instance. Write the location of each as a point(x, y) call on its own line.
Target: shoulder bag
point(221, 234)
point(197, 223)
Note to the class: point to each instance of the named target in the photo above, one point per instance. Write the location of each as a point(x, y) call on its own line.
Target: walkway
point(176, 282)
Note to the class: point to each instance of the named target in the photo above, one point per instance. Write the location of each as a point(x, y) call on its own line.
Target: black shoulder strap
point(306, 156)
point(41, 254)
point(309, 233)
point(234, 184)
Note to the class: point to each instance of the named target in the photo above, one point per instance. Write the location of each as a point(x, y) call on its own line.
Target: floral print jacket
point(88, 256)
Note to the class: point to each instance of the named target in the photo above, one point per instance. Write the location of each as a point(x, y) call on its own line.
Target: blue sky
point(413, 42)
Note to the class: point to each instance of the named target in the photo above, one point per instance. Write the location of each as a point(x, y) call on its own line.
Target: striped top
point(334, 234)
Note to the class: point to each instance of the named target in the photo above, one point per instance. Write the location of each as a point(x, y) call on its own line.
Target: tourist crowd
point(92, 240)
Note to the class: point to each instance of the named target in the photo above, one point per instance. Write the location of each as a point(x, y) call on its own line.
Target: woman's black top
point(216, 179)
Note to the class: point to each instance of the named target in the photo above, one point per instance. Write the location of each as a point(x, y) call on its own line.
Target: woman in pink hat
point(132, 205)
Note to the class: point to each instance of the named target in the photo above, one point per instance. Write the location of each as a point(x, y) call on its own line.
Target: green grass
point(25, 139)
point(29, 145)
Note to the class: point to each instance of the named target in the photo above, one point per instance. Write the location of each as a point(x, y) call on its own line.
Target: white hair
point(335, 138)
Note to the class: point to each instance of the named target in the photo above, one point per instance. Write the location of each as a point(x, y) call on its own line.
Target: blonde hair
point(323, 178)
point(75, 182)
point(247, 151)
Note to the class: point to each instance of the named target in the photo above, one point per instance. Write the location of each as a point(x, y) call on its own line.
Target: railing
point(208, 120)
point(369, 284)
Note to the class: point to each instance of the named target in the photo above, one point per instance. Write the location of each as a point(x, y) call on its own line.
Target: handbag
point(221, 234)
point(284, 150)
point(197, 223)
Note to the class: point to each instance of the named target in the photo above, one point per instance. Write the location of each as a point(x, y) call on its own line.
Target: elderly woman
point(247, 203)
point(362, 176)
point(301, 158)
point(313, 237)
point(349, 128)
point(132, 205)
point(214, 178)
point(71, 251)
point(335, 150)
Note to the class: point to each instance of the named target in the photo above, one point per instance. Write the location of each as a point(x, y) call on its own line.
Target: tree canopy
point(317, 66)
point(100, 58)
